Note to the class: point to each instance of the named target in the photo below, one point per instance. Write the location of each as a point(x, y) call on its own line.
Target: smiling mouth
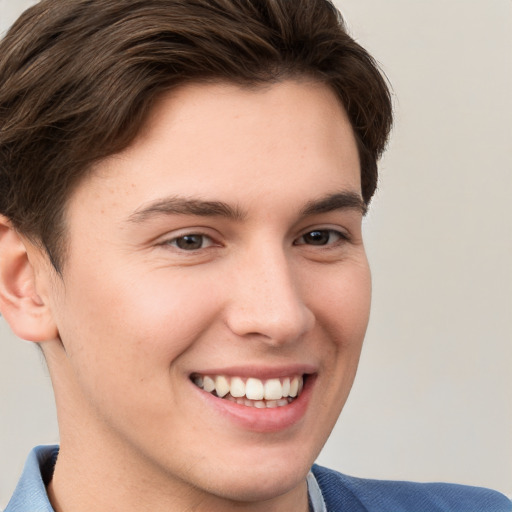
point(252, 392)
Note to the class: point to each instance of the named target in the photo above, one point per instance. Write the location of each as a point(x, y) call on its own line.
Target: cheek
point(342, 305)
point(139, 325)
point(125, 341)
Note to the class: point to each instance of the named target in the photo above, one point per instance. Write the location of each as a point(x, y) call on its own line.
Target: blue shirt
point(339, 493)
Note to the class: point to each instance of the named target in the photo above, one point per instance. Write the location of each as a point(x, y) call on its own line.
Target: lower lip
point(273, 419)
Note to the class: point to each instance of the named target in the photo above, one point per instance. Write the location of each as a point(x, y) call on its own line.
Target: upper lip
point(260, 372)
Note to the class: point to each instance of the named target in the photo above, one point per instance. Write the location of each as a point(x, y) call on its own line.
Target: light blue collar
point(316, 500)
point(30, 493)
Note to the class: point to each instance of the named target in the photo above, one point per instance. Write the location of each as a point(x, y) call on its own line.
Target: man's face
point(224, 245)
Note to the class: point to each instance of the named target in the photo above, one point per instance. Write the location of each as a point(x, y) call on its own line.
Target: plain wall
point(433, 397)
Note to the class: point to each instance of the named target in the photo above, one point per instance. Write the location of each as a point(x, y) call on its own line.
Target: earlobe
point(23, 308)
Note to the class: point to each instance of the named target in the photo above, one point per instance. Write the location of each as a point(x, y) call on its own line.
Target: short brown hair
point(78, 78)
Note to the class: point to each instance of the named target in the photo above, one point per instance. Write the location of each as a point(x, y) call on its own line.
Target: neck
point(93, 482)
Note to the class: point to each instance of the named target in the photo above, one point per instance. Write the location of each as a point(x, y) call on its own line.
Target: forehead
point(231, 143)
point(250, 116)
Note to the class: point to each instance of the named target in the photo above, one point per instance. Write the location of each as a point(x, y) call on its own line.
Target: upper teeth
point(251, 388)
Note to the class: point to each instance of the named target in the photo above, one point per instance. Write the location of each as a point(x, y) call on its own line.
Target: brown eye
point(317, 237)
point(191, 242)
point(320, 237)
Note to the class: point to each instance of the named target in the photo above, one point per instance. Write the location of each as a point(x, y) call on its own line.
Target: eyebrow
point(198, 207)
point(340, 201)
point(186, 206)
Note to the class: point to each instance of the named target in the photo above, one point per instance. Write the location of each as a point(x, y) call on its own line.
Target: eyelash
point(173, 242)
point(319, 233)
point(341, 237)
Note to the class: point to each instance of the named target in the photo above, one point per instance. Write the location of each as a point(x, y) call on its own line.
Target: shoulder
point(342, 492)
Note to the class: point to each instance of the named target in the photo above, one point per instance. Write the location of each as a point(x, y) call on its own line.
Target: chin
point(260, 484)
point(261, 479)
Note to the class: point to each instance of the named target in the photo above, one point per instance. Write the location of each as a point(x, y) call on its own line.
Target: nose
point(266, 299)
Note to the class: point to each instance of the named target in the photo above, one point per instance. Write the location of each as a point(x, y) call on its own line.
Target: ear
point(26, 311)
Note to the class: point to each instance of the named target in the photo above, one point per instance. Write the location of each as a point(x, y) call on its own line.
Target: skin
point(136, 314)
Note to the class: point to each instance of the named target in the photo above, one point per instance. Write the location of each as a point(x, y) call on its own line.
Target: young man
point(182, 189)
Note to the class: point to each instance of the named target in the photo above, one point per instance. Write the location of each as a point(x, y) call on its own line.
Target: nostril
point(275, 326)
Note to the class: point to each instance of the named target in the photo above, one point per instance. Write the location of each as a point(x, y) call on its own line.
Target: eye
point(190, 242)
point(321, 237)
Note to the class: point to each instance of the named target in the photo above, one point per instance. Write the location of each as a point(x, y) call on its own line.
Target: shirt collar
point(316, 500)
point(30, 493)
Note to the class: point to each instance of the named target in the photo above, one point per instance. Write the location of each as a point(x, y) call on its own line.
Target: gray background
point(433, 397)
